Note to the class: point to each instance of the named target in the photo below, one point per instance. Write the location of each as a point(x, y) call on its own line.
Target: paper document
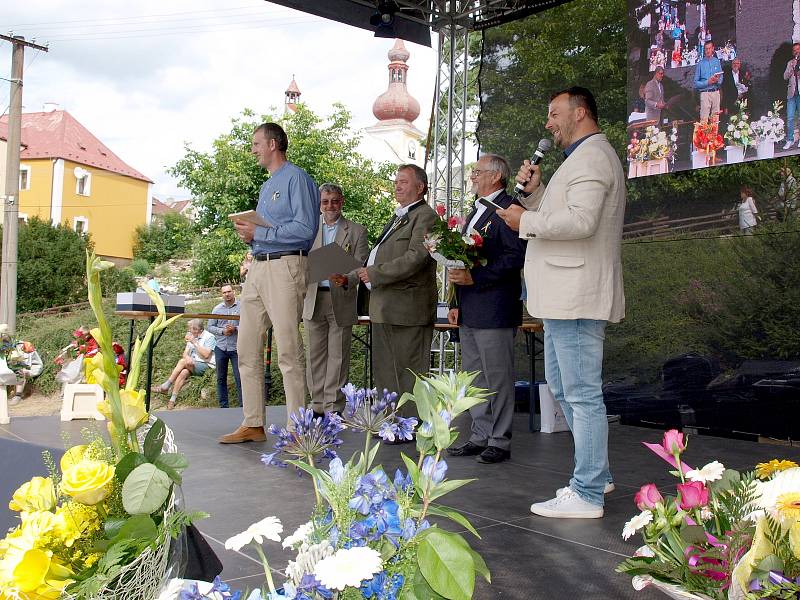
point(327, 260)
point(250, 216)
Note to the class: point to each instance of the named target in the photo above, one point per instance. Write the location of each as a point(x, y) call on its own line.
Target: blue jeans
point(222, 357)
point(573, 365)
point(792, 109)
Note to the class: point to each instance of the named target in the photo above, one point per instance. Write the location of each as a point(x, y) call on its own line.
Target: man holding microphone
point(573, 274)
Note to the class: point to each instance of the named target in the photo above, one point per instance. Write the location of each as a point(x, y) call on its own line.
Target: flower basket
point(143, 578)
point(765, 149)
point(640, 168)
point(734, 154)
point(699, 159)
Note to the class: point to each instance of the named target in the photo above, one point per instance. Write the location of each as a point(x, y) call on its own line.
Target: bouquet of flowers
point(739, 132)
point(706, 138)
point(104, 506)
point(655, 144)
point(723, 535)
point(770, 127)
point(449, 247)
point(12, 351)
point(369, 535)
point(690, 56)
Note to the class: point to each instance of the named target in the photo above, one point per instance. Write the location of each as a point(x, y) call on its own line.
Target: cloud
point(164, 80)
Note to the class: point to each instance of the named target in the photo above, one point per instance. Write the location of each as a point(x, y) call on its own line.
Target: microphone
point(544, 146)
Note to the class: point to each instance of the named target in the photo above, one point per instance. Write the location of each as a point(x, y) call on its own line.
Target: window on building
point(23, 217)
point(24, 177)
point(83, 187)
point(80, 224)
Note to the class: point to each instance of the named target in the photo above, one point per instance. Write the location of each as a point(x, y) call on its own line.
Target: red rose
point(441, 209)
point(476, 237)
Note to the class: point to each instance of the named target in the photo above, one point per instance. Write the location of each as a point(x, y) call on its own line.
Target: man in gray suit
point(654, 96)
point(573, 272)
point(329, 311)
point(401, 276)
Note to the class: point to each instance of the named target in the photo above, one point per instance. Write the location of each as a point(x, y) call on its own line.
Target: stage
point(529, 556)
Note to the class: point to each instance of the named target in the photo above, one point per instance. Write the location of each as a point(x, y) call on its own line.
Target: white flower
point(711, 472)
point(171, 590)
point(636, 523)
point(3, 328)
point(348, 567)
point(769, 491)
point(300, 535)
point(468, 240)
point(306, 559)
point(269, 528)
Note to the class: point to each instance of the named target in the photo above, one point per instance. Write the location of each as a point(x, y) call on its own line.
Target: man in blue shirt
point(226, 332)
point(708, 80)
point(276, 283)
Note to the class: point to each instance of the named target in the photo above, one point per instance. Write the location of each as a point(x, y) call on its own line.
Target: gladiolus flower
point(647, 497)
point(692, 495)
point(673, 442)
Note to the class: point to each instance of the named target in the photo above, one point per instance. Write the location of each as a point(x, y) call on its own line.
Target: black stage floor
point(529, 556)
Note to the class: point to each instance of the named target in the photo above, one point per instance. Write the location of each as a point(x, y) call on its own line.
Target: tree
point(227, 179)
point(161, 240)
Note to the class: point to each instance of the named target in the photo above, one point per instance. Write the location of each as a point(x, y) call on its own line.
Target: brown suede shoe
point(244, 434)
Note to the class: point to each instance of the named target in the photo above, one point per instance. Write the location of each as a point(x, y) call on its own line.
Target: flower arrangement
point(448, 246)
point(13, 351)
point(104, 505)
point(690, 56)
point(739, 132)
point(724, 534)
point(706, 138)
point(655, 144)
point(369, 535)
point(770, 127)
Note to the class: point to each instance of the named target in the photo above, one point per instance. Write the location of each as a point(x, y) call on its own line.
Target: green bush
point(140, 266)
point(171, 237)
point(217, 257)
point(51, 265)
point(117, 280)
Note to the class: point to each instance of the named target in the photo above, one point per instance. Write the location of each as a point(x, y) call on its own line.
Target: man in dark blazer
point(329, 311)
point(488, 310)
point(401, 277)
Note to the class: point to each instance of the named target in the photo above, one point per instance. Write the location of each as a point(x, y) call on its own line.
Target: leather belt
point(323, 288)
point(277, 255)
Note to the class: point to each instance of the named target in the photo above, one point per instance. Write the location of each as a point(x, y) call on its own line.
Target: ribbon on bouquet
point(705, 565)
point(775, 578)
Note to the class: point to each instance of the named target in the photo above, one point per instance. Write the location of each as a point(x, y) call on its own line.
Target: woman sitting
point(197, 357)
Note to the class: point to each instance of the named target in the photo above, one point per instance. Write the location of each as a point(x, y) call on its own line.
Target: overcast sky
point(147, 77)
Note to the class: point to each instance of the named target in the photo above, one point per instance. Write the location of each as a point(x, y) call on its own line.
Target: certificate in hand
point(249, 216)
point(327, 260)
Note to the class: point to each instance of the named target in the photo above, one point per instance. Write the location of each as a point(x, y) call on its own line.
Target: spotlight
point(383, 19)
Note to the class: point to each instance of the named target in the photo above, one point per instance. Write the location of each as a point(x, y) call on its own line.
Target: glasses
point(476, 172)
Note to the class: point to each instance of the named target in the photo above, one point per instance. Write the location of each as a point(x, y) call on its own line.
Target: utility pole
point(8, 273)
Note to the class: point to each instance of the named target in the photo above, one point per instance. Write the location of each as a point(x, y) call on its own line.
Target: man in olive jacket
point(401, 277)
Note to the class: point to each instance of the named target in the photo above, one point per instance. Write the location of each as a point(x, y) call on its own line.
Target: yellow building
point(69, 176)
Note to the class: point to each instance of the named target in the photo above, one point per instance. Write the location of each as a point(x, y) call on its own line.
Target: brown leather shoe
point(244, 434)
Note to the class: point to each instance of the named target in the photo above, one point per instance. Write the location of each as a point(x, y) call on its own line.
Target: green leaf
point(172, 464)
point(417, 588)
point(138, 527)
point(770, 563)
point(127, 464)
point(729, 479)
point(112, 526)
point(453, 515)
point(480, 566)
point(693, 534)
point(445, 487)
point(446, 564)
point(154, 440)
point(441, 431)
point(313, 471)
point(412, 469)
point(145, 490)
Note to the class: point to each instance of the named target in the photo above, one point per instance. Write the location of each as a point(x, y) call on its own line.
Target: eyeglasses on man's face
point(477, 172)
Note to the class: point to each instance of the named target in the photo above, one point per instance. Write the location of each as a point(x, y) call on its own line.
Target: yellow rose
point(88, 482)
point(73, 456)
point(133, 410)
point(36, 494)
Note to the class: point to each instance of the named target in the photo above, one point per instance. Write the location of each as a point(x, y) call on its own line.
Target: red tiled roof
point(57, 134)
point(159, 208)
point(180, 205)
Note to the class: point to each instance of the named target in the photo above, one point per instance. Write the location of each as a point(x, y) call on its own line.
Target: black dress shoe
point(493, 454)
point(468, 449)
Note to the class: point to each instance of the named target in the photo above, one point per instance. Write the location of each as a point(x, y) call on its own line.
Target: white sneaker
point(789, 144)
point(610, 487)
point(567, 506)
point(14, 400)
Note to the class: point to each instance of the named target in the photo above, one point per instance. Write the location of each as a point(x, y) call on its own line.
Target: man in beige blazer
point(401, 276)
point(573, 274)
point(329, 310)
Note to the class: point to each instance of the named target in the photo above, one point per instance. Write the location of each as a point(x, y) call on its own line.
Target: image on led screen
point(711, 82)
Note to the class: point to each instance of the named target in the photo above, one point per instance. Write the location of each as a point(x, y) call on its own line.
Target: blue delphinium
point(401, 429)
point(222, 589)
point(402, 482)
point(410, 528)
point(382, 587)
point(312, 436)
point(371, 489)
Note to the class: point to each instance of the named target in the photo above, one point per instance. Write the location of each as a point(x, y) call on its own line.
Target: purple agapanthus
point(311, 437)
point(366, 411)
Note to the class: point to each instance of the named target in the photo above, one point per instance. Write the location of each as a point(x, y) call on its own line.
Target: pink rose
point(454, 222)
point(692, 495)
point(673, 441)
point(647, 497)
point(441, 209)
